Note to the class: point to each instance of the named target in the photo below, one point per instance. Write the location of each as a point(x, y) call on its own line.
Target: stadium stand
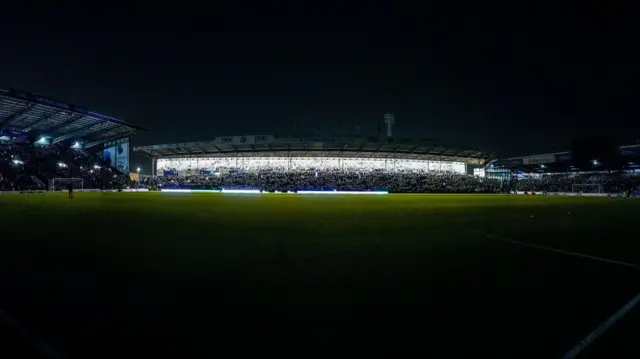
point(42, 138)
point(288, 163)
point(272, 163)
point(558, 172)
point(299, 180)
point(559, 162)
point(320, 152)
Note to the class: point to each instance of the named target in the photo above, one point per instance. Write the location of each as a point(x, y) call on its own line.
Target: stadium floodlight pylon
point(586, 188)
point(60, 184)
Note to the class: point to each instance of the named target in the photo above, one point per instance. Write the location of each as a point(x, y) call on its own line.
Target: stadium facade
point(29, 118)
point(558, 162)
point(319, 152)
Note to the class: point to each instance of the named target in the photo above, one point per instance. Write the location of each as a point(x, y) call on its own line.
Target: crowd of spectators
point(605, 182)
point(195, 166)
point(12, 160)
point(25, 167)
point(400, 182)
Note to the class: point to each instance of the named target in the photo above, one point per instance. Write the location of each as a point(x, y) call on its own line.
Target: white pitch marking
point(561, 251)
point(44, 348)
point(600, 329)
point(604, 326)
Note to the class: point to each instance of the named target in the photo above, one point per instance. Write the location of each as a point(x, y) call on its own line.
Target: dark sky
point(512, 80)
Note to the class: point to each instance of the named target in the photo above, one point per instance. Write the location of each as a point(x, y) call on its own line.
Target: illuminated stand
point(185, 166)
point(323, 152)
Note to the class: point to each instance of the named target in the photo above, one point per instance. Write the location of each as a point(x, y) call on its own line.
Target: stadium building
point(28, 118)
point(48, 144)
point(316, 152)
point(270, 152)
point(559, 162)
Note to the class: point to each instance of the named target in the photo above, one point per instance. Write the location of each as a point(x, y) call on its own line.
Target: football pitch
point(200, 275)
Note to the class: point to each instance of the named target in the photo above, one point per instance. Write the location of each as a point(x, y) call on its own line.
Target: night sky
point(511, 80)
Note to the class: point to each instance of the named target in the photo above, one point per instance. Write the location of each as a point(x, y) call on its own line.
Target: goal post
point(586, 188)
point(61, 184)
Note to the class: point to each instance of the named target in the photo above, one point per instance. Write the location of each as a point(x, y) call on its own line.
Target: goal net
point(586, 188)
point(62, 184)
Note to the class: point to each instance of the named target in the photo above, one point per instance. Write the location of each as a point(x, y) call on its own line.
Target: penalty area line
point(555, 250)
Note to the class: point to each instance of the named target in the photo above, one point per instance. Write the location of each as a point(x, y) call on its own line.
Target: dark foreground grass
point(187, 275)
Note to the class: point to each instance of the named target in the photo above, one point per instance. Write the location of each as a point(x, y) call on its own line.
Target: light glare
point(256, 191)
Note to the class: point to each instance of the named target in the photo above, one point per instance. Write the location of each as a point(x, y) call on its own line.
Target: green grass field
point(198, 275)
